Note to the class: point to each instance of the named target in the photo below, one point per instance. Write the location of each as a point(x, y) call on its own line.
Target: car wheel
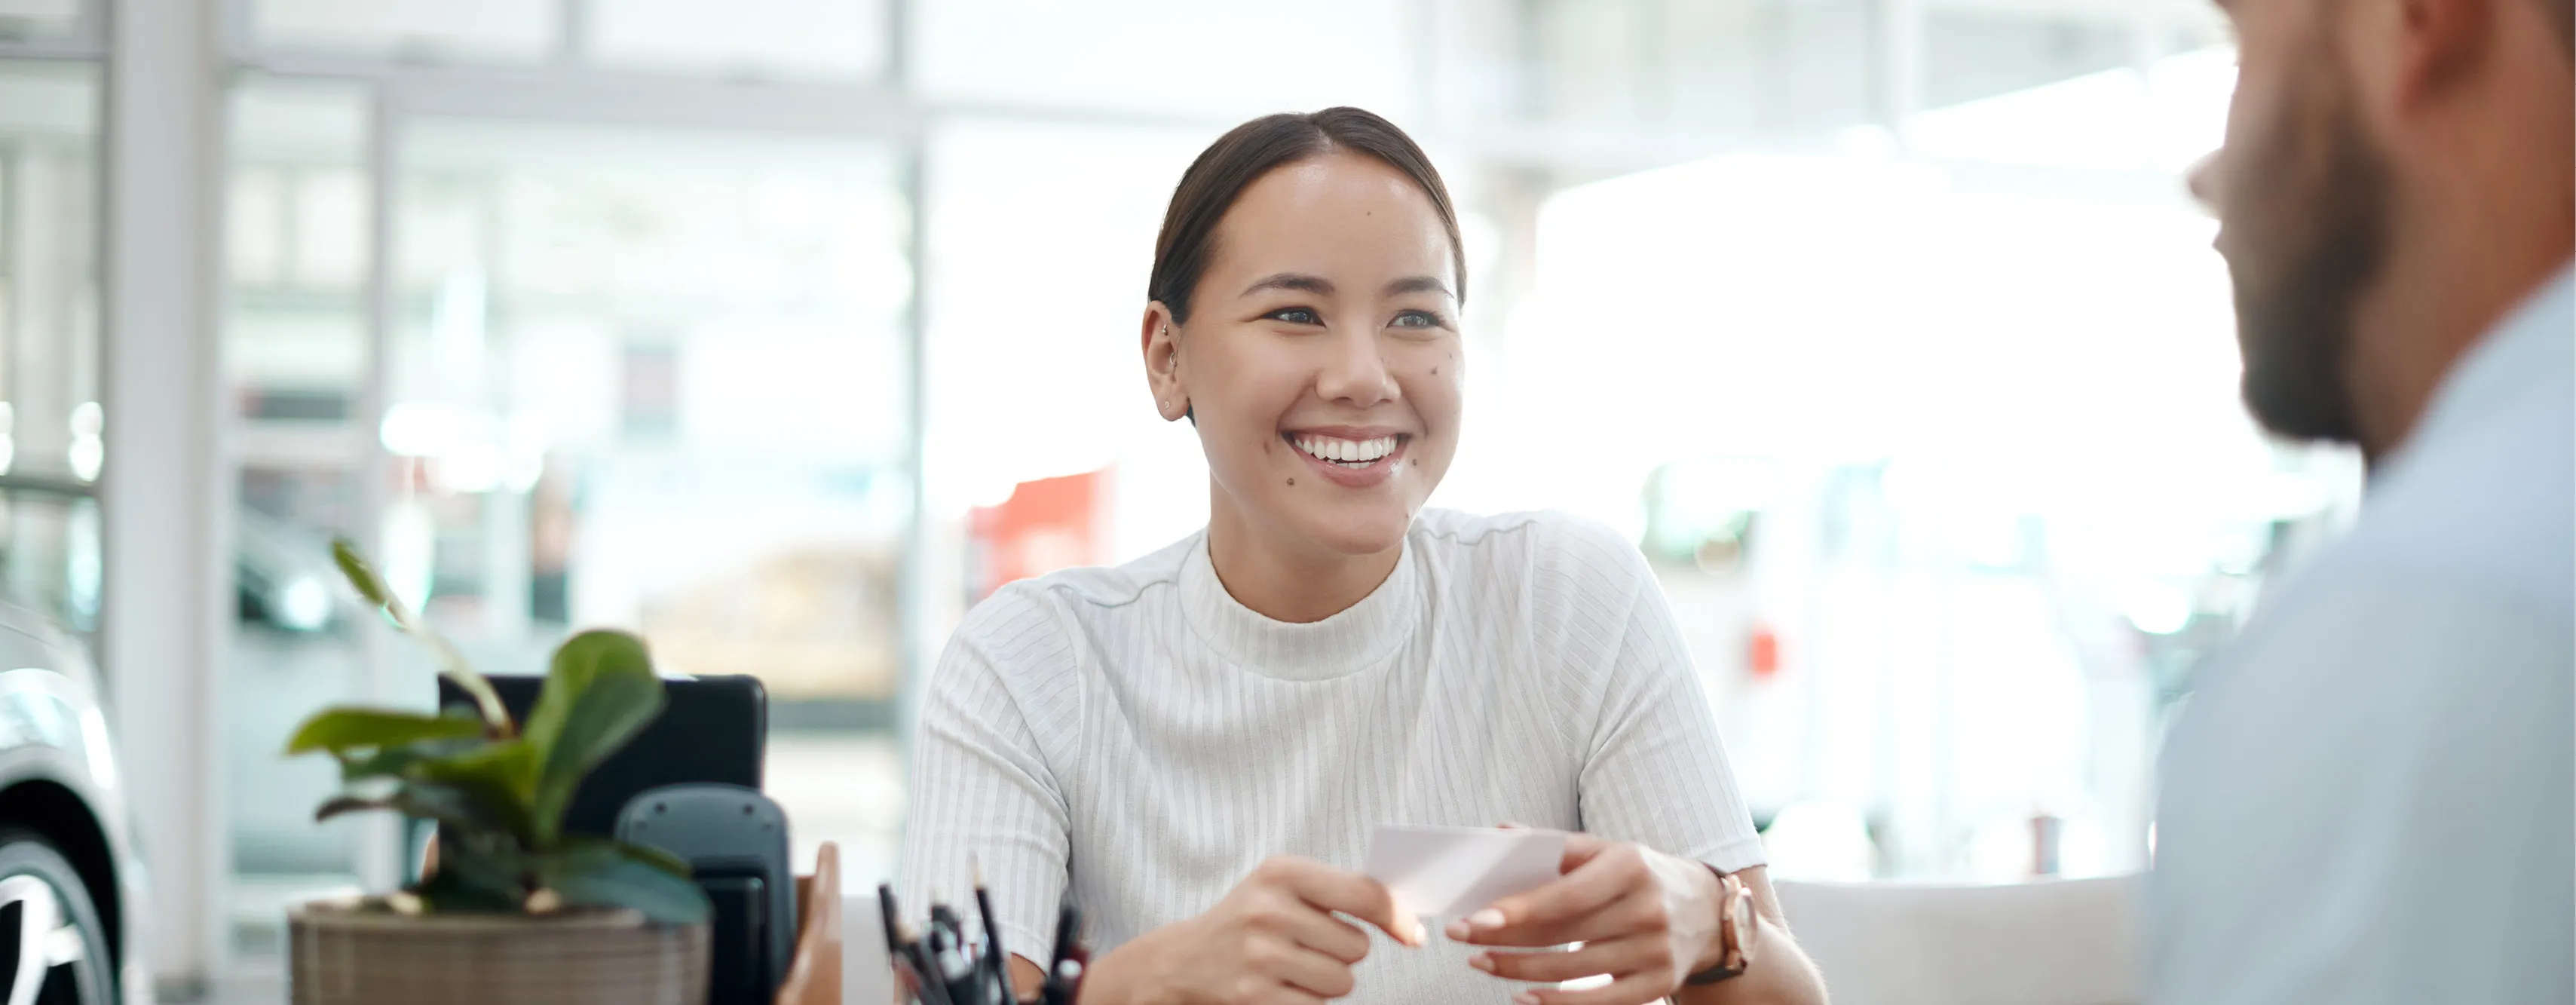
point(52, 948)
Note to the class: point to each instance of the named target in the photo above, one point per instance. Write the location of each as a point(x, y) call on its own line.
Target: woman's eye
point(1418, 319)
point(1295, 316)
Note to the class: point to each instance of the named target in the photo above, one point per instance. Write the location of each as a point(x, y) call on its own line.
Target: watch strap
point(1735, 917)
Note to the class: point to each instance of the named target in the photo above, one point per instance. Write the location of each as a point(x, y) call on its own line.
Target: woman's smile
point(1353, 457)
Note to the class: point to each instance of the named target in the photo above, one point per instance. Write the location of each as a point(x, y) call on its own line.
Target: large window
point(297, 367)
point(655, 380)
point(646, 377)
point(759, 40)
point(590, 313)
point(53, 428)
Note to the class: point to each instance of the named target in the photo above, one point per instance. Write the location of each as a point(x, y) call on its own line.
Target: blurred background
point(783, 330)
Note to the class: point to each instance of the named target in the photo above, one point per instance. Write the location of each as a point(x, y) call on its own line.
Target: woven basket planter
point(339, 954)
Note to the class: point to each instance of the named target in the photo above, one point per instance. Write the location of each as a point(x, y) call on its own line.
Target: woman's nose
point(1356, 373)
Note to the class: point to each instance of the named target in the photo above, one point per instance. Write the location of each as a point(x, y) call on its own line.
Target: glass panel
point(50, 421)
point(1214, 58)
point(1066, 212)
point(656, 380)
point(295, 352)
point(1924, 618)
point(39, 19)
point(835, 39)
point(509, 29)
point(49, 556)
point(296, 240)
point(296, 649)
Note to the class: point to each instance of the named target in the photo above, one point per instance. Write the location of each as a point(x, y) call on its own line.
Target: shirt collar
point(2533, 347)
point(1359, 637)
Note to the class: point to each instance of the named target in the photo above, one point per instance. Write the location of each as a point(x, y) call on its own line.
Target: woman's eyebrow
point(1316, 285)
point(1419, 284)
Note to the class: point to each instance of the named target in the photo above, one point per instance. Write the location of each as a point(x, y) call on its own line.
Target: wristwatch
point(1734, 933)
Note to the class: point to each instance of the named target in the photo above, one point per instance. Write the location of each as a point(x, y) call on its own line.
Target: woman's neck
point(1288, 582)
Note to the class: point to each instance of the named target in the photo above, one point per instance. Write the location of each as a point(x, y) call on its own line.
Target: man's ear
point(2438, 42)
point(1162, 345)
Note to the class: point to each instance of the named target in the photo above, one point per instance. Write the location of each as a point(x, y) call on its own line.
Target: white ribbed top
point(1137, 732)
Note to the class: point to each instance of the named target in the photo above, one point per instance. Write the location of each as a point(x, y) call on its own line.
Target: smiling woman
point(1304, 297)
point(1199, 743)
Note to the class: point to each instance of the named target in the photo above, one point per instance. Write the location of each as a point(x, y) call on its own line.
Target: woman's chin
point(1359, 534)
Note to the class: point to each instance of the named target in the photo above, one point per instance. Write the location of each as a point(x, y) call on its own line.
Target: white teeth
point(1353, 452)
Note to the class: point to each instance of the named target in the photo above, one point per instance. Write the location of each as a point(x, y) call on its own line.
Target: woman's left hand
point(1645, 918)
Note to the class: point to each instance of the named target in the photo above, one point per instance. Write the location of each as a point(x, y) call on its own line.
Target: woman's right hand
point(1273, 939)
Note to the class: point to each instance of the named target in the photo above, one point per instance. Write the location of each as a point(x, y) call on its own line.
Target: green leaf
point(399, 762)
point(508, 766)
point(425, 801)
point(594, 873)
point(657, 858)
point(495, 778)
point(338, 729)
point(363, 576)
point(599, 694)
point(476, 881)
point(343, 805)
point(577, 663)
point(452, 665)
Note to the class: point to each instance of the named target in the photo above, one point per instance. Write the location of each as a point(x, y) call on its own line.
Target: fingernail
point(1487, 918)
point(1526, 998)
point(1482, 961)
point(1421, 936)
point(1458, 929)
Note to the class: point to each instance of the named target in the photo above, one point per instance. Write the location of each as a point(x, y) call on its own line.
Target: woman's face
point(1321, 358)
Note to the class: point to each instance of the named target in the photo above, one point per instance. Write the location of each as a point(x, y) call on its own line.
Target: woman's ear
point(1162, 340)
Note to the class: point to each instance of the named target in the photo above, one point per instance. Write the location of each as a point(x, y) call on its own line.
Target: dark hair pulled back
point(1243, 155)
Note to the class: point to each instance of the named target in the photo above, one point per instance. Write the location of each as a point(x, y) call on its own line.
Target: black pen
point(949, 953)
point(998, 960)
point(909, 982)
point(1068, 976)
point(1059, 984)
point(916, 958)
point(893, 918)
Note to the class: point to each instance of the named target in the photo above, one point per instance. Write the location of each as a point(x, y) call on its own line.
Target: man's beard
point(2319, 193)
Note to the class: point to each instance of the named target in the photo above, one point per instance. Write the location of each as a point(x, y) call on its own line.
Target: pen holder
point(945, 964)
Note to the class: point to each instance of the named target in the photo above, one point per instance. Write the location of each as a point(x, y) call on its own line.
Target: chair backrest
point(2062, 942)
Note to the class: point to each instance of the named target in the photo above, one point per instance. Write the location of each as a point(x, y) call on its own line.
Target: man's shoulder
point(2379, 621)
point(2377, 723)
point(2456, 589)
point(2487, 499)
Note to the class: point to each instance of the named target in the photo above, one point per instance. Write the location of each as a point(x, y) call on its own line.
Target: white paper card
point(1447, 872)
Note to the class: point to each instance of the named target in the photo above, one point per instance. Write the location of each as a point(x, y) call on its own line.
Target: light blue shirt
point(2372, 795)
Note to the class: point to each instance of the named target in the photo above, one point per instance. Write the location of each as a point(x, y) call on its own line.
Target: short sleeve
point(1654, 769)
point(983, 794)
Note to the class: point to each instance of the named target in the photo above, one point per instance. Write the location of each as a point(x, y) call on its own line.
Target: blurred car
point(282, 575)
point(70, 878)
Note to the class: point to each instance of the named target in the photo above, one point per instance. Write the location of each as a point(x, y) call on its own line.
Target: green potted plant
point(515, 910)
